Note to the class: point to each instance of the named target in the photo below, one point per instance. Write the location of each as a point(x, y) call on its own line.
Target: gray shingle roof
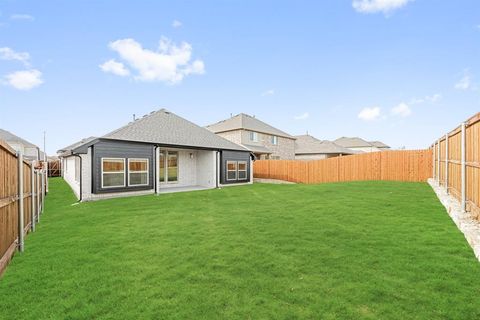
point(247, 122)
point(164, 127)
point(10, 137)
point(379, 144)
point(76, 144)
point(352, 142)
point(257, 149)
point(306, 144)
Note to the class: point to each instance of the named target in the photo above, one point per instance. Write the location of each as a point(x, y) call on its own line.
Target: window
point(274, 140)
point(253, 136)
point(77, 169)
point(242, 170)
point(137, 172)
point(113, 172)
point(231, 170)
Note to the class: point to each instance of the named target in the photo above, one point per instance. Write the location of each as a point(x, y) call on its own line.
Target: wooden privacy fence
point(54, 168)
point(22, 196)
point(457, 164)
point(402, 165)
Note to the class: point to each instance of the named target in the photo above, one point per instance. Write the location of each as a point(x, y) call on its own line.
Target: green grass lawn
point(366, 250)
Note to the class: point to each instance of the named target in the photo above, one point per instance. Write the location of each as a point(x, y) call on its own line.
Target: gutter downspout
point(80, 195)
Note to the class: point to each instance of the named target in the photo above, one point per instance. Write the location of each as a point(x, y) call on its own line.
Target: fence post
point(464, 169)
point(438, 161)
point(446, 163)
point(43, 188)
point(32, 187)
point(20, 201)
point(433, 162)
point(37, 180)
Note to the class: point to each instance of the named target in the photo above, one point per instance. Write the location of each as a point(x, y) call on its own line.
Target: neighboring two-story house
point(263, 140)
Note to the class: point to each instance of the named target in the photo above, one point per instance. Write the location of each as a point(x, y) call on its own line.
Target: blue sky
point(399, 71)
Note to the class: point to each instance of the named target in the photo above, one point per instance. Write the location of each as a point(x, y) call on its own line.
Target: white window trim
point(124, 173)
point(134, 171)
point(236, 171)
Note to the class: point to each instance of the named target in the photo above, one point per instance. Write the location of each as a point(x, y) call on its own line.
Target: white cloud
point(24, 80)
point(115, 67)
point(428, 99)
point(465, 82)
point(176, 24)
point(269, 92)
point(22, 17)
point(9, 54)
point(170, 63)
point(369, 114)
point(302, 116)
point(374, 6)
point(402, 110)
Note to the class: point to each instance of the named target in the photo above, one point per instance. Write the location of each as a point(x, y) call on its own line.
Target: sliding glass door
point(168, 166)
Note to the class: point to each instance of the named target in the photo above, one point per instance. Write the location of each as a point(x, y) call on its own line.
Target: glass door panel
point(161, 166)
point(172, 164)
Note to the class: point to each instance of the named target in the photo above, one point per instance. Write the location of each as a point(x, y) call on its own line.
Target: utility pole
point(44, 151)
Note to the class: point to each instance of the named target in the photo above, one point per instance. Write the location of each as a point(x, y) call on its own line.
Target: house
point(308, 147)
point(263, 140)
point(30, 151)
point(358, 144)
point(158, 153)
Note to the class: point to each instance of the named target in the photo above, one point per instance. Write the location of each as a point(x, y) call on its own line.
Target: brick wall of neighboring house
point(234, 136)
point(285, 149)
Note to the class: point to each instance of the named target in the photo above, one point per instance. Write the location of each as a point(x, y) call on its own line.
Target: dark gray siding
point(121, 149)
point(233, 156)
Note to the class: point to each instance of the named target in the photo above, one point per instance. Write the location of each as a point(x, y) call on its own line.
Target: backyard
point(358, 250)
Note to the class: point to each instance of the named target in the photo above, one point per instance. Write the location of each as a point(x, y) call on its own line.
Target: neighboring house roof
point(379, 144)
point(257, 149)
point(247, 122)
point(10, 137)
point(353, 142)
point(306, 144)
point(76, 144)
point(164, 127)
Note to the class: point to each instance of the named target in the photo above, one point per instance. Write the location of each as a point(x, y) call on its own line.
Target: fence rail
point(402, 165)
point(22, 195)
point(457, 164)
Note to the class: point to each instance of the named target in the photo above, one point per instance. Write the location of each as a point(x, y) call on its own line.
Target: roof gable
point(246, 122)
